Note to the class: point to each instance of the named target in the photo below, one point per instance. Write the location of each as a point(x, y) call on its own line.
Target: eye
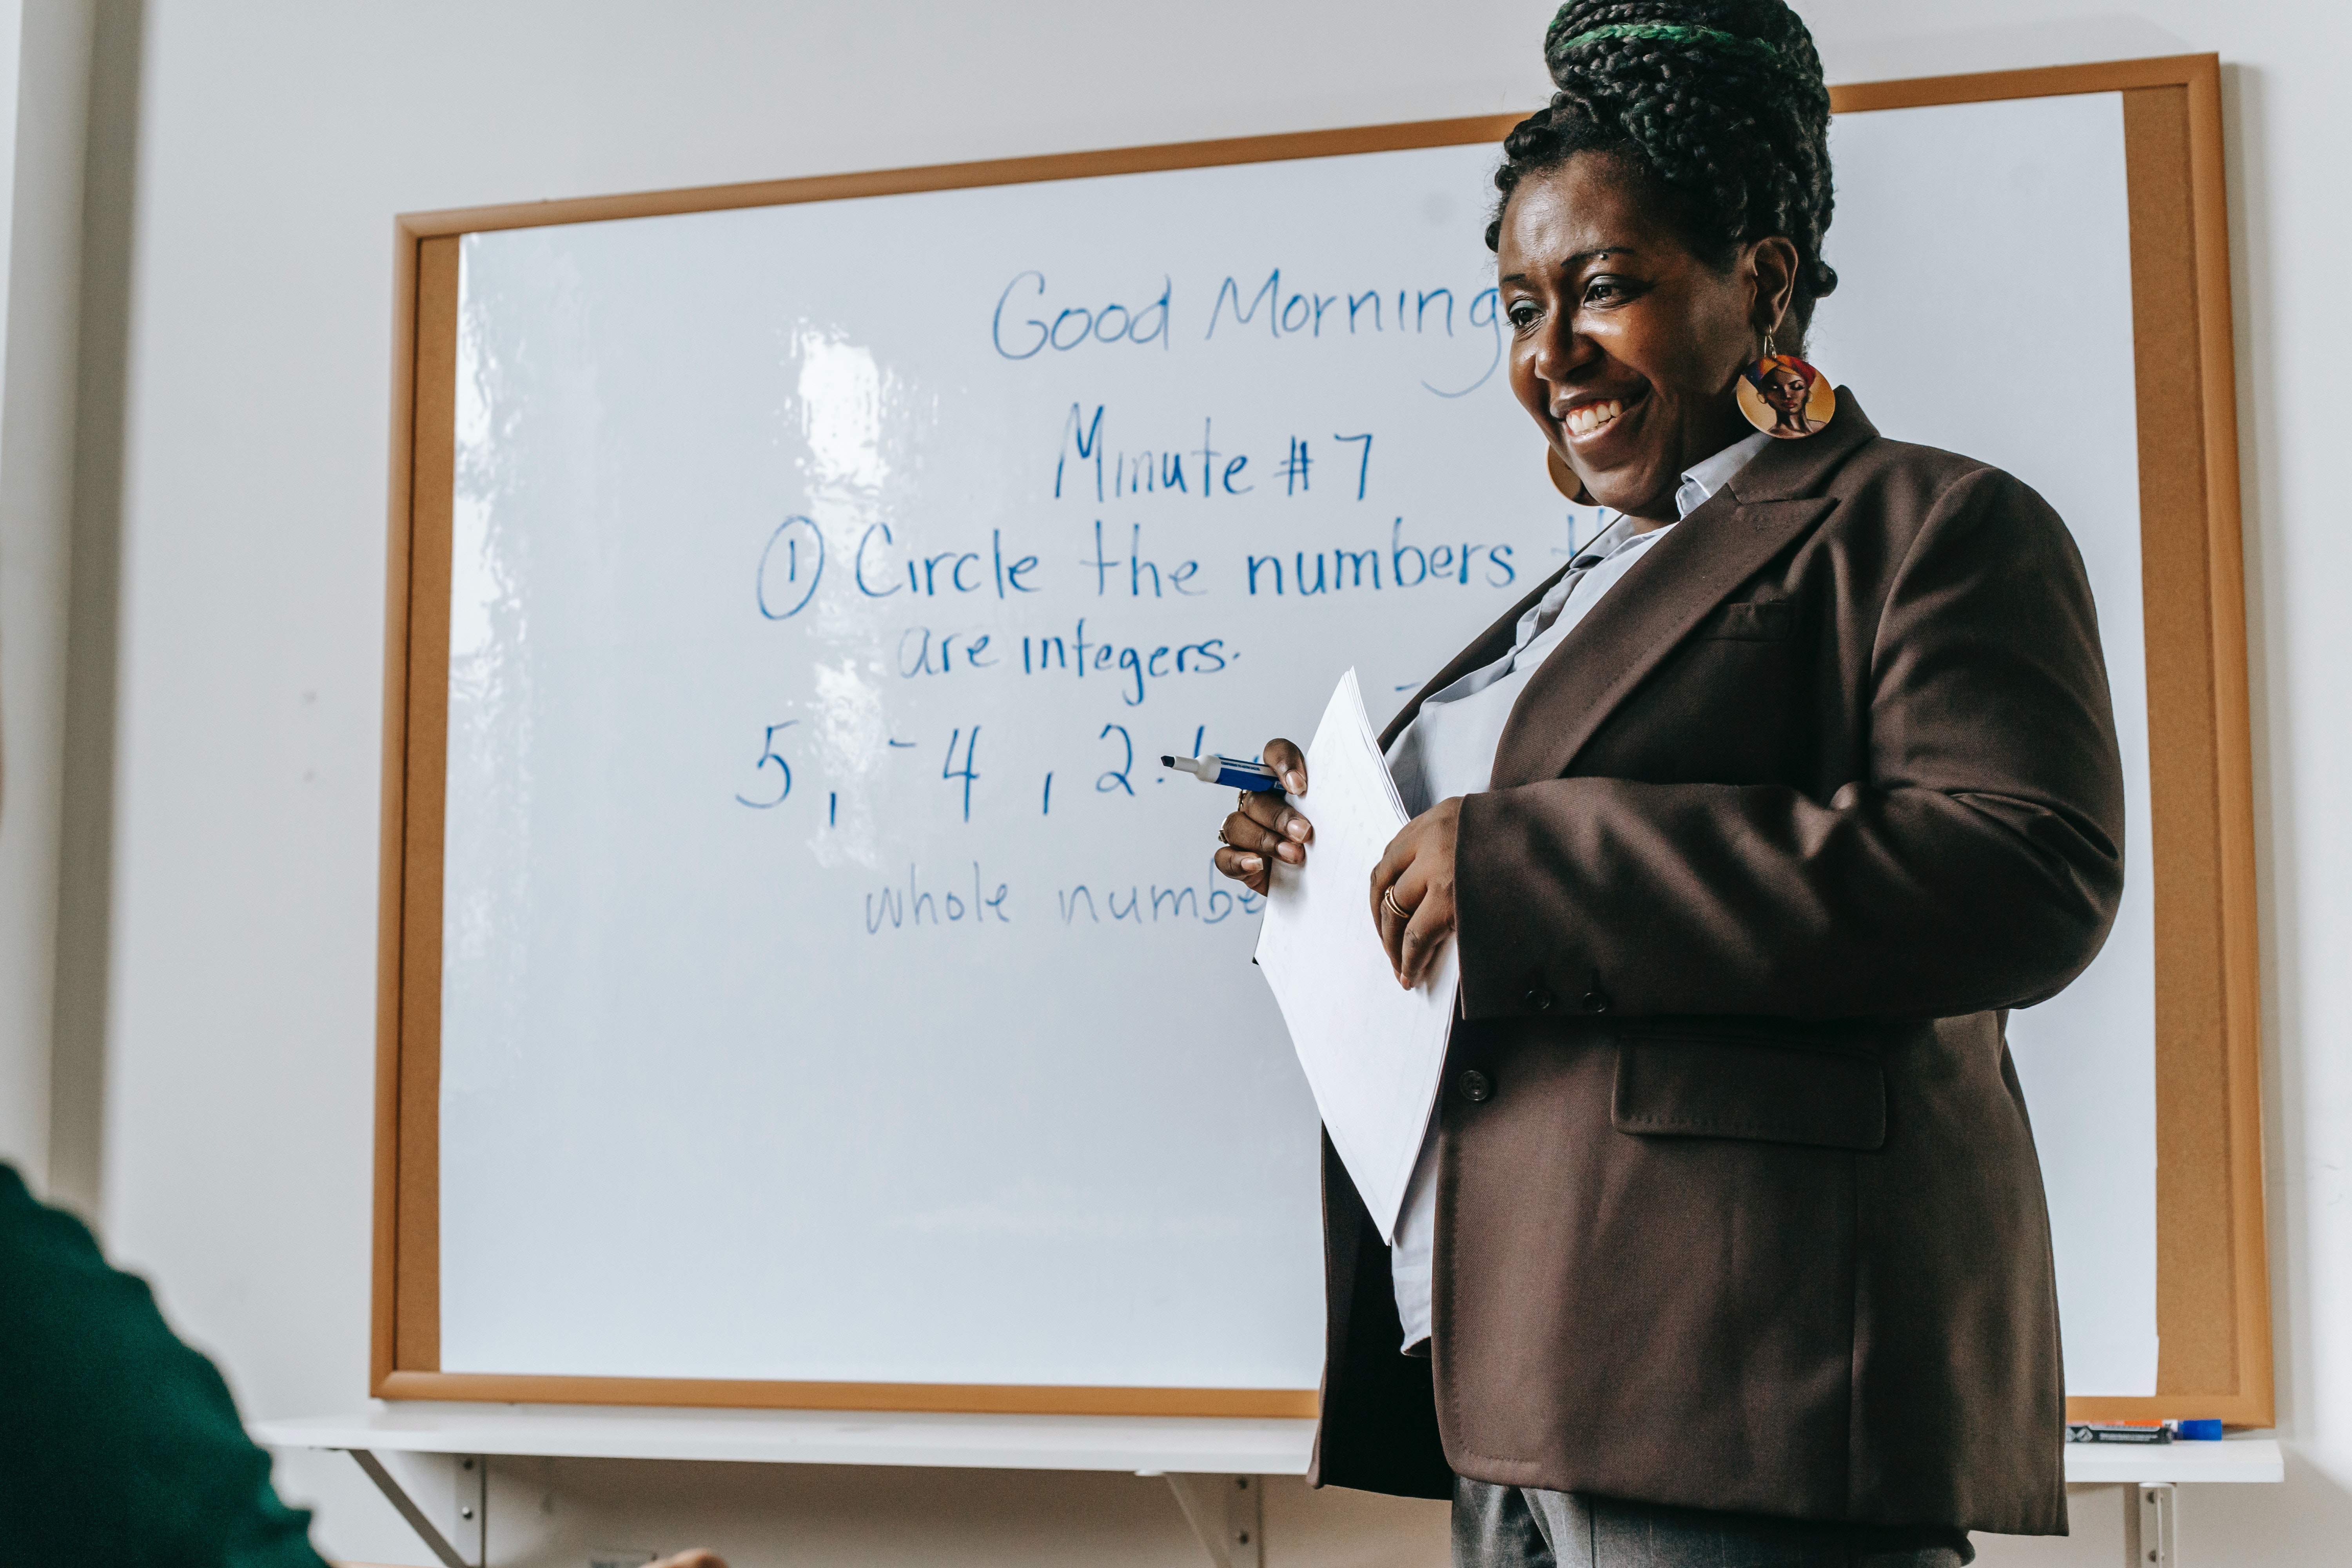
point(1605, 290)
point(1523, 314)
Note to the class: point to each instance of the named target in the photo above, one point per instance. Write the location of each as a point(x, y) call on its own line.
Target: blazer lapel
point(1491, 645)
point(1767, 505)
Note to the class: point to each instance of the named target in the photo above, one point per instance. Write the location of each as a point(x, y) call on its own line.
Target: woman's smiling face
point(1625, 344)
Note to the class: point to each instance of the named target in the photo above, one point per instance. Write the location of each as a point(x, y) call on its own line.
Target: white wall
point(235, 881)
point(32, 604)
point(43, 105)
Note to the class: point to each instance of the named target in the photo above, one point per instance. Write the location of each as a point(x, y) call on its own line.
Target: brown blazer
point(1737, 1203)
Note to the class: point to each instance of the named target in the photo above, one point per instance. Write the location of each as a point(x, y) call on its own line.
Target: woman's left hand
point(1416, 876)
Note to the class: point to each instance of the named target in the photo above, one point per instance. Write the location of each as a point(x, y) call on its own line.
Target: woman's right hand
point(1267, 827)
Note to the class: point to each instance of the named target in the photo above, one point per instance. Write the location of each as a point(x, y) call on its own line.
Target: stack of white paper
point(1372, 1050)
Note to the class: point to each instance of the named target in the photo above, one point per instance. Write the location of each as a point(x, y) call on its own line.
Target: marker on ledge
point(1227, 771)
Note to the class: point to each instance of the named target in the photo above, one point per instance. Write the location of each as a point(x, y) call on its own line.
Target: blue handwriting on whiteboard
point(1177, 577)
point(898, 911)
point(768, 753)
point(1136, 667)
point(1302, 314)
point(1073, 325)
point(1219, 472)
point(949, 771)
point(790, 578)
point(1117, 778)
point(1353, 569)
point(921, 653)
point(1297, 314)
point(1168, 471)
point(1212, 903)
point(947, 572)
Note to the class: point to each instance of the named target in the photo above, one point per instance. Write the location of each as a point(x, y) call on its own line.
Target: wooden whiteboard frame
point(2212, 1283)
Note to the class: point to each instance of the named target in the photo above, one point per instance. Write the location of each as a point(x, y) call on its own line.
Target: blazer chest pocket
point(1751, 620)
point(1690, 1088)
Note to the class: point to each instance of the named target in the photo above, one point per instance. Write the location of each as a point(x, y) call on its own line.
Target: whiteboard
point(951, 503)
point(833, 988)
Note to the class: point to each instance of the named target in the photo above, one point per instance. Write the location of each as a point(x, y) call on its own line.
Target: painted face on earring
point(1785, 397)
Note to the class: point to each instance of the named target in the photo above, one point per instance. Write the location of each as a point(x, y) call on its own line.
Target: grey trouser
point(1521, 1527)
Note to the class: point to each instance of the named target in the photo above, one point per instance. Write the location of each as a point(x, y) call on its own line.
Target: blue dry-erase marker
point(1228, 771)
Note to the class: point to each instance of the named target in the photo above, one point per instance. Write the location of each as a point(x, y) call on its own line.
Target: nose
point(1560, 353)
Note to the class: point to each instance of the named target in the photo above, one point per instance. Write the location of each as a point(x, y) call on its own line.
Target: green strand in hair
point(1668, 32)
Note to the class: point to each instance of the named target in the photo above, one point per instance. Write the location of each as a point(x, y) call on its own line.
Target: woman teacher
point(1728, 1245)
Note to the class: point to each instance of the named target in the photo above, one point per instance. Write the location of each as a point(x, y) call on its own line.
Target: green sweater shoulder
point(119, 1444)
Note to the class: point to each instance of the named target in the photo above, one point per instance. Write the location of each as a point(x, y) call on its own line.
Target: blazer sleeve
point(1976, 864)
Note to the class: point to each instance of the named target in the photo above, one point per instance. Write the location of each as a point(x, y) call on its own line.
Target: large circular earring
point(1785, 397)
point(1564, 480)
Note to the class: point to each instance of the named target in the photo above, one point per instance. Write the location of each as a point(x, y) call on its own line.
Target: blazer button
point(1540, 999)
point(1476, 1087)
point(1596, 1000)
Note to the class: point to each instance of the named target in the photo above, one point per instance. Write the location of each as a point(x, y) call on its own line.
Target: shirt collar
point(1700, 481)
point(1624, 530)
point(1703, 479)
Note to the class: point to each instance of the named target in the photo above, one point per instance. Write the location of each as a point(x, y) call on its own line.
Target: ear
point(1772, 277)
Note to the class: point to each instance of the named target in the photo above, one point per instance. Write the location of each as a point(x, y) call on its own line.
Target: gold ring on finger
point(1388, 900)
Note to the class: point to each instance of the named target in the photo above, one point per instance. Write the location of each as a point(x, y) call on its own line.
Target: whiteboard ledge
point(1147, 1445)
point(2143, 1463)
point(1209, 1445)
point(475, 1388)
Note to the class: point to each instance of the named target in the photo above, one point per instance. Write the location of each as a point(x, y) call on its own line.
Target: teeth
point(1591, 417)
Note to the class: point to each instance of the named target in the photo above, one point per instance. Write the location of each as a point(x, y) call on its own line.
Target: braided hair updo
point(1717, 106)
